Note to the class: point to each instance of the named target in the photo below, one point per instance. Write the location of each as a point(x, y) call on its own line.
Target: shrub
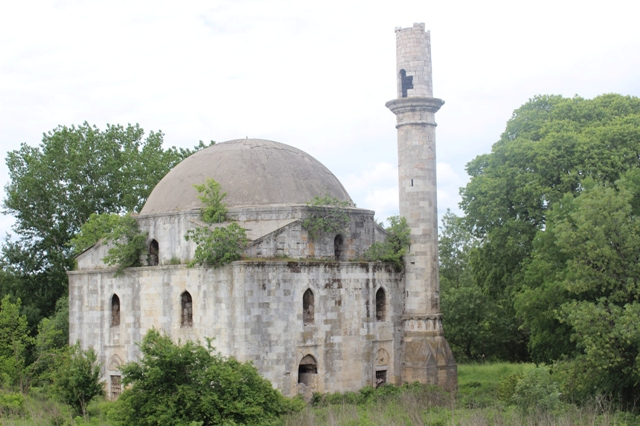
point(219, 246)
point(507, 387)
point(537, 390)
point(214, 210)
point(122, 232)
point(78, 380)
point(11, 402)
point(328, 215)
point(14, 342)
point(180, 384)
point(396, 244)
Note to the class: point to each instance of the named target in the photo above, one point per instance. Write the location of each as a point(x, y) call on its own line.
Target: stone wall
point(274, 231)
point(254, 311)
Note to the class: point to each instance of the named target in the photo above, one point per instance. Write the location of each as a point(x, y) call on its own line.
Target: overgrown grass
point(478, 383)
point(476, 403)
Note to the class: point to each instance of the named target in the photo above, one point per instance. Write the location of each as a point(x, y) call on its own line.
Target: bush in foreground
point(180, 384)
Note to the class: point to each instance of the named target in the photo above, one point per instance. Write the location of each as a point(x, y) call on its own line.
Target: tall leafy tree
point(477, 325)
point(54, 188)
point(550, 146)
point(582, 295)
point(14, 341)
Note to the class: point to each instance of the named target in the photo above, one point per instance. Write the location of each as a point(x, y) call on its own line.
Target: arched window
point(381, 305)
point(307, 370)
point(187, 310)
point(154, 252)
point(115, 311)
point(337, 247)
point(308, 307)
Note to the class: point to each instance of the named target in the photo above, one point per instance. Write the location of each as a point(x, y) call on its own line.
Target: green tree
point(51, 346)
point(327, 215)
point(55, 187)
point(476, 324)
point(78, 379)
point(184, 383)
point(214, 211)
point(222, 244)
point(550, 146)
point(14, 341)
point(218, 246)
point(121, 232)
point(590, 252)
point(395, 245)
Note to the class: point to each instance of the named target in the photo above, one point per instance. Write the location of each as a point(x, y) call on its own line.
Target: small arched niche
point(338, 247)
point(381, 305)
point(307, 370)
point(154, 253)
point(308, 307)
point(186, 304)
point(115, 311)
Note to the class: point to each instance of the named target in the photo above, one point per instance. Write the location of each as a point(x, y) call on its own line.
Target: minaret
point(427, 357)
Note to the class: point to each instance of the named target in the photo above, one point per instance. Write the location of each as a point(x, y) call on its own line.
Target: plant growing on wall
point(218, 246)
point(214, 210)
point(328, 215)
point(122, 232)
point(223, 244)
point(395, 245)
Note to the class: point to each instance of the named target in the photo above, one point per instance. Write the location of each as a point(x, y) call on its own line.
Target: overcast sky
point(315, 75)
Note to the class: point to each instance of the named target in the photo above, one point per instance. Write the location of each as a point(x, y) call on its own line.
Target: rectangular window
point(116, 386)
point(381, 377)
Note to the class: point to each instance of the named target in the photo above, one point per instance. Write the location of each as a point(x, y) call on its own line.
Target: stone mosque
point(308, 312)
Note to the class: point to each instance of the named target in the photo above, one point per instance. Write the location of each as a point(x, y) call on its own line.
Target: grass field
point(476, 403)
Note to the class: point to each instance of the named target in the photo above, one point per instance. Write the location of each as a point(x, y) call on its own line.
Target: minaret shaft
point(427, 357)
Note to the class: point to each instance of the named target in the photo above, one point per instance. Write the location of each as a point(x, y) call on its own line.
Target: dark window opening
point(115, 310)
point(381, 305)
point(307, 370)
point(154, 251)
point(381, 377)
point(187, 310)
point(116, 386)
point(411, 182)
point(308, 307)
point(406, 82)
point(337, 247)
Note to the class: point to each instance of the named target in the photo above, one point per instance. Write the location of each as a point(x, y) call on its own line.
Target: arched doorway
point(308, 371)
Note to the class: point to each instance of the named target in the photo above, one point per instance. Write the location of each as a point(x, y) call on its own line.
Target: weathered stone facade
point(309, 313)
point(254, 311)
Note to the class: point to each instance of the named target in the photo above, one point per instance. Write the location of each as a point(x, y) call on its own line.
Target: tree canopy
point(581, 298)
point(55, 187)
point(554, 210)
point(550, 145)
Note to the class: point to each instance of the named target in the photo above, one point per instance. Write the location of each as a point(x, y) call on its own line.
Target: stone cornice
point(403, 105)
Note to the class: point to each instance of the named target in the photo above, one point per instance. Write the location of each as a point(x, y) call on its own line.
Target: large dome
point(253, 172)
